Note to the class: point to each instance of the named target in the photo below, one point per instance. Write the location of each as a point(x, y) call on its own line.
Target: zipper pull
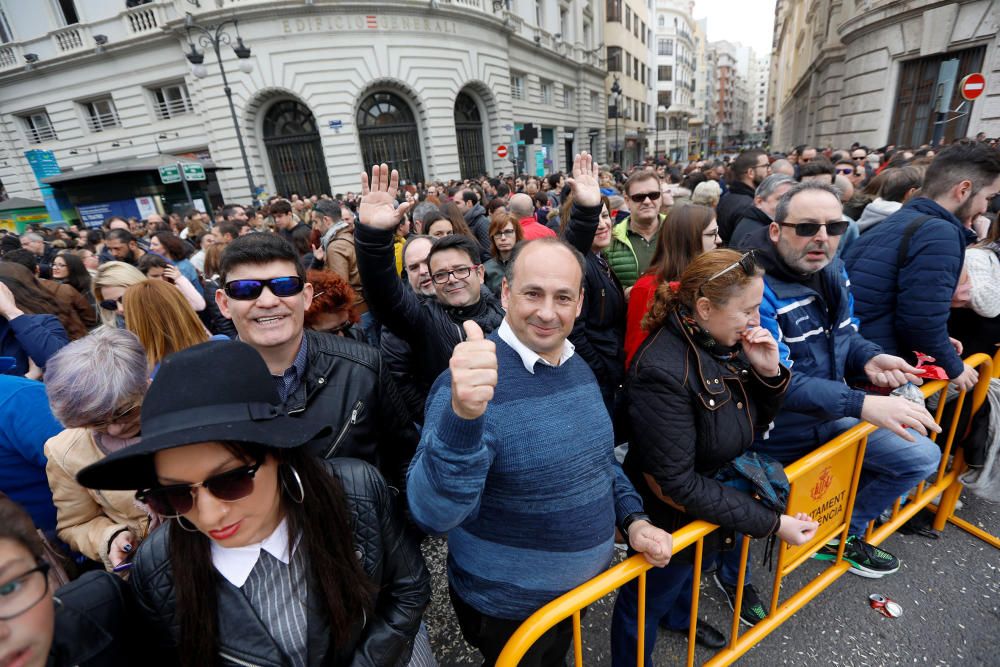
point(354, 416)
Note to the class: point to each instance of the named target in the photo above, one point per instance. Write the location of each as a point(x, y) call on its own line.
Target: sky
point(750, 22)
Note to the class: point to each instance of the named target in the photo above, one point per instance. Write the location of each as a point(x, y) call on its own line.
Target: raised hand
point(473, 373)
point(377, 201)
point(586, 188)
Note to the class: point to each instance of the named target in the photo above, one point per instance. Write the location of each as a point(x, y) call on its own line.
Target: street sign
point(194, 172)
point(170, 174)
point(972, 86)
point(336, 124)
point(501, 151)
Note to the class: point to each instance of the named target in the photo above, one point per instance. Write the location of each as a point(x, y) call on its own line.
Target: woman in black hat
point(272, 556)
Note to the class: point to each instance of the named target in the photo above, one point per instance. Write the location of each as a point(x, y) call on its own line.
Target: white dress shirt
point(528, 356)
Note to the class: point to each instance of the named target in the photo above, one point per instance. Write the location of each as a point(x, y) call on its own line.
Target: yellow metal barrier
point(823, 484)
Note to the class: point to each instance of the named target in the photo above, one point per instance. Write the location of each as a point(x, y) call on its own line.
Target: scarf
point(727, 355)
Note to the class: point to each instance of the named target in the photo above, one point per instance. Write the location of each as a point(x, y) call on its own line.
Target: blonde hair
point(159, 315)
point(114, 274)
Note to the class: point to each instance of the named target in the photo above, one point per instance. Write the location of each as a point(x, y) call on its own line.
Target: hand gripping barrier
point(823, 484)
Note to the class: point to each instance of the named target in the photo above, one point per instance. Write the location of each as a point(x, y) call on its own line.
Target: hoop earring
point(184, 523)
point(295, 498)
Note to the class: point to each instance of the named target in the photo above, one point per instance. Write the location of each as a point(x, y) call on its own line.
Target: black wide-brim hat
point(215, 391)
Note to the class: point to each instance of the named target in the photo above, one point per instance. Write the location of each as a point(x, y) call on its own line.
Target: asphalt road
point(949, 589)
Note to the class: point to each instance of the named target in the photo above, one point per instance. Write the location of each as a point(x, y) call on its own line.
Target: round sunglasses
point(174, 500)
point(250, 289)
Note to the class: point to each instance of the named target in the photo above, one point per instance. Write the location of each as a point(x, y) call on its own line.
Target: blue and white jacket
point(818, 341)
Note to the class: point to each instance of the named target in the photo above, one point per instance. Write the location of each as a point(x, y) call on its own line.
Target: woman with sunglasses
point(86, 622)
point(95, 386)
point(271, 556)
point(110, 283)
point(505, 233)
point(704, 383)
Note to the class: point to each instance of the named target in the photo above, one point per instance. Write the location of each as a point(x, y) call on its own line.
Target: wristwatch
point(629, 520)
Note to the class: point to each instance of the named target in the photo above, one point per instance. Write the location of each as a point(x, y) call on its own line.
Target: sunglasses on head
point(175, 500)
point(807, 229)
point(640, 197)
point(247, 290)
point(748, 262)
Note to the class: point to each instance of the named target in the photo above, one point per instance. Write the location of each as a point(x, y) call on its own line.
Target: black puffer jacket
point(599, 332)
point(690, 416)
point(389, 558)
point(347, 386)
point(732, 207)
point(431, 328)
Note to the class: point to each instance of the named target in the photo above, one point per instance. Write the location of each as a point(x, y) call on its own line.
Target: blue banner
point(94, 215)
point(44, 164)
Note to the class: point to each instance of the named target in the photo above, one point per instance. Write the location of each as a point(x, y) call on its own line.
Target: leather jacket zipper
point(602, 305)
point(234, 659)
point(345, 429)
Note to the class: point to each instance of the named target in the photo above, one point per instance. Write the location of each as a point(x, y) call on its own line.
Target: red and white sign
point(972, 86)
point(501, 151)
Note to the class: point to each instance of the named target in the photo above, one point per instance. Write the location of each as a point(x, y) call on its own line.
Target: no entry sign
point(501, 151)
point(972, 86)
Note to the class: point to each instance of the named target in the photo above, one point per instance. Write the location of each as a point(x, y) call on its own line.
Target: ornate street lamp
point(215, 36)
point(616, 94)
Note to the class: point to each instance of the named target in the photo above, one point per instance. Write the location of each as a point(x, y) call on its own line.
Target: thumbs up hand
point(473, 373)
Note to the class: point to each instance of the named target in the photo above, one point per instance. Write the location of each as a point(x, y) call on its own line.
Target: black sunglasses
point(248, 290)
point(640, 197)
point(812, 228)
point(111, 304)
point(748, 262)
point(176, 499)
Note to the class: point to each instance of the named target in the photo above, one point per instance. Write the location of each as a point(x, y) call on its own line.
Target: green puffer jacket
point(621, 256)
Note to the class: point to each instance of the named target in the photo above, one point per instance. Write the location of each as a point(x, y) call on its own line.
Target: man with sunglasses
point(750, 168)
point(905, 270)
point(633, 240)
point(808, 309)
point(343, 380)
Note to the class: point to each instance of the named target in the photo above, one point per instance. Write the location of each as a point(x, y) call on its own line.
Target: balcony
point(99, 122)
point(171, 108)
point(40, 135)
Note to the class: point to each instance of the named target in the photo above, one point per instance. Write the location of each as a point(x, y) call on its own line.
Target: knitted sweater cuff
point(460, 434)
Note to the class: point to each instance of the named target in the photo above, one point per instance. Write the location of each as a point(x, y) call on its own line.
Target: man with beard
point(123, 247)
point(905, 270)
point(750, 168)
point(808, 309)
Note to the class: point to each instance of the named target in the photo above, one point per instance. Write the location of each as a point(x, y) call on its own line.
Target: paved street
point(949, 590)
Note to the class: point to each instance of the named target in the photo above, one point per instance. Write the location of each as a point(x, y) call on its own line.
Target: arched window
point(294, 150)
point(469, 135)
point(388, 134)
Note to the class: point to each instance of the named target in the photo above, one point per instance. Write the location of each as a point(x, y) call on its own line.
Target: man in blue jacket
point(807, 307)
point(905, 270)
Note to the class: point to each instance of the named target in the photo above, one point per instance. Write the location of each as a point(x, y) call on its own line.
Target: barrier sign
point(501, 151)
point(972, 86)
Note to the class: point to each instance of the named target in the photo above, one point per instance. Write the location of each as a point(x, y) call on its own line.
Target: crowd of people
point(227, 435)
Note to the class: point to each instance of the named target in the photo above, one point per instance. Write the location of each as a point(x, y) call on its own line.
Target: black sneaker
point(752, 611)
point(865, 559)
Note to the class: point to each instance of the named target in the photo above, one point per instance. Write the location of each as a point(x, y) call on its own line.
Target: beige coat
point(87, 520)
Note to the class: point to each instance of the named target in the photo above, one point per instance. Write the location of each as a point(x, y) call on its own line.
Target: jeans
point(892, 466)
point(668, 598)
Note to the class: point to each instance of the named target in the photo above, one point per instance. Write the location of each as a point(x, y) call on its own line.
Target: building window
point(68, 11)
point(101, 115)
point(172, 100)
point(665, 47)
point(517, 86)
point(5, 34)
point(38, 127)
point(661, 22)
point(564, 23)
point(635, 68)
point(628, 17)
point(538, 14)
point(663, 98)
point(595, 101)
point(614, 11)
point(643, 71)
point(628, 65)
point(642, 33)
point(567, 97)
point(665, 73)
point(587, 33)
point(614, 58)
point(635, 27)
point(546, 87)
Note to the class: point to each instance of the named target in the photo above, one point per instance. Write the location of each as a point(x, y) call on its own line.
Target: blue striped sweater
point(529, 493)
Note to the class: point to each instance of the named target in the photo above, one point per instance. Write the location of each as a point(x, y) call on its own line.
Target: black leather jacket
point(347, 385)
point(391, 559)
point(94, 624)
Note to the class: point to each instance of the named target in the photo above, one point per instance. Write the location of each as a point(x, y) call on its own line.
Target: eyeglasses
point(846, 171)
point(807, 229)
point(748, 262)
point(177, 499)
point(341, 329)
point(505, 233)
point(248, 290)
point(115, 417)
point(461, 273)
point(111, 304)
point(762, 166)
point(640, 197)
point(23, 592)
point(712, 234)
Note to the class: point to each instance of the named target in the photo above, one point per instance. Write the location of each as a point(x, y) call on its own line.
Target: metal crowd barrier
point(823, 485)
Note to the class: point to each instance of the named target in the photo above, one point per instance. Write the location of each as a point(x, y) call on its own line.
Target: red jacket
point(638, 305)
point(533, 229)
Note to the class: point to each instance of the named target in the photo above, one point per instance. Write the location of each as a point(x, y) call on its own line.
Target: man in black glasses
point(750, 168)
point(633, 240)
point(808, 308)
point(345, 381)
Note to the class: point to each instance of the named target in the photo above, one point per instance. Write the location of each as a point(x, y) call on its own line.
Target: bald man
point(522, 206)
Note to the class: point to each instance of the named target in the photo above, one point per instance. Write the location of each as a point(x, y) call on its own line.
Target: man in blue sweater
point(516, 460)
point(905, 270)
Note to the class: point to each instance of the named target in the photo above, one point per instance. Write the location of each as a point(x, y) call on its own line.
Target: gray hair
point(707, 193)
point(781, 211)
point(423, 210)
point(33, 236)
point(545, 240)
point(328, 208)
point(770, 185)
point(92, 377)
